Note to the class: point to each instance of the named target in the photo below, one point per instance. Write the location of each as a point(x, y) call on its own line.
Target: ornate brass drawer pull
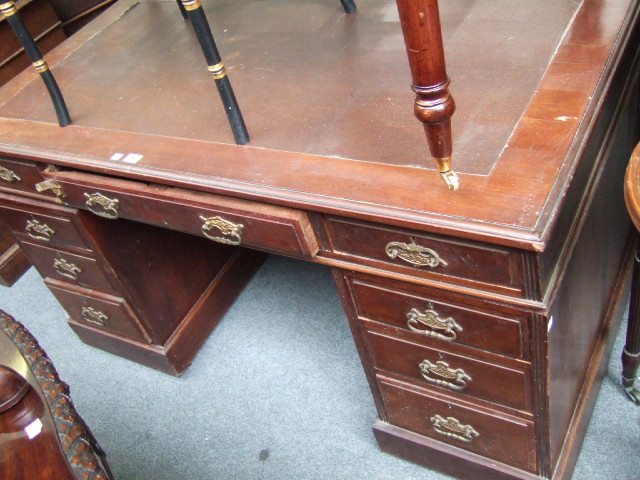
point(455, 379)
point(52, 185)
point(452, 428)
point(102, 206)
point(96, 317)
point(66, 269)
point(431, 324)
point(39, 231)
point(8, 175)
point(213, 227)
point(414, 254)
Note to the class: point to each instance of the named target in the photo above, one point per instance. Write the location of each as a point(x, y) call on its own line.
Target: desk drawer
point(19, 175)
point(510, 440)
point(50, 224)
point(222, 219)
point(451, 372)
point(98, 310)
point(419, 254)
point(66, 266)
point(435, 318)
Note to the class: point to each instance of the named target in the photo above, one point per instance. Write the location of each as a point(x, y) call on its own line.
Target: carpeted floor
point(277, 392)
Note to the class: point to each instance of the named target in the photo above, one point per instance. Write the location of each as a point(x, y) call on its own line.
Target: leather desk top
point(327, 102)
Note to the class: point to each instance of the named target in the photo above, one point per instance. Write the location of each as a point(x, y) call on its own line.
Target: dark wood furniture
point(46, 28)
point(631, 350)
point(42, 437)
point(482, 316)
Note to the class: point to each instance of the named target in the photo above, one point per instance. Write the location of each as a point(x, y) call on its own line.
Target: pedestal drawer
point(18, 175)
point(437, 318)
point(453, 373)
point(510, 440)
point(222, 219)
point(68, 267)
point(49, 225)
point(420, 254)
point(98, 310)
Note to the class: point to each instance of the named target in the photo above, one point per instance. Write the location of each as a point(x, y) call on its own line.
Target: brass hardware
point(455, 379)
point(96, 317)
point(66, 269)
point(414, 254)
point(452, 428)
point(232, 232)
point(102, 206)
point(8, 9)
point(41, 65)
point(39, 231)
point(448, 175)
point(8, 175)
point(191, 4)
point(431, 324)
point(52, 185)
point(217, 71)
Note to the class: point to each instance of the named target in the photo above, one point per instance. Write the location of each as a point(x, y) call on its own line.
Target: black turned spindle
point(348, 5)
point(10, 12)
point(631, 351)
point(217, 69)
point(182, 9)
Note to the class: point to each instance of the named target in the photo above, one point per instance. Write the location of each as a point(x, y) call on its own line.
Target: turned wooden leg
point(631, 350)
point(10, 12)
point(217, 69)
point(349, 6)
point(434, 106)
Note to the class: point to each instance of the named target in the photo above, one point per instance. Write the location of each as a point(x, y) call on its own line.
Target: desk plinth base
point(182, 346)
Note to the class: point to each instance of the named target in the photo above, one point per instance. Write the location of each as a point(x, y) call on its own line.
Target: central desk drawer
point(223, 219)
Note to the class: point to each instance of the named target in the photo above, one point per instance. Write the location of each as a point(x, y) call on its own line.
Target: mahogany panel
point(503, 438)
point(99, 310)
point(484, 325)
point(19, 175)
point(68, 267)
point(257, 225)
point(459, 375)
point(33, 220)
point(482, 265)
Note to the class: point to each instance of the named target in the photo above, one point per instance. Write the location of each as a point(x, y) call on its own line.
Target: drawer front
point(438, 319)
point(503, 438)
point(453, 373)
point(68, 267)
point(428, 256)
point(98, 310)
point(50, 225)
point(18, 175)
point(222, 219)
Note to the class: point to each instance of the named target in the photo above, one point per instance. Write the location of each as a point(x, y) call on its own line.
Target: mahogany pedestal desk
point(482, 316)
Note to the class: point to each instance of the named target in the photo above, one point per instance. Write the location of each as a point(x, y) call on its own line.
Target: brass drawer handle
point(66, 269)
point(96, 317)
point(452, 428)
point(414, 254)
point(431, 324)
point(52, 185)
point(445, 376)
point(39, 231)
point(213, 227)
point(102, 206)
point(9, 175)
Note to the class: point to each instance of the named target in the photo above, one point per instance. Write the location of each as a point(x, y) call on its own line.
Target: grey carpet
point(277, 392)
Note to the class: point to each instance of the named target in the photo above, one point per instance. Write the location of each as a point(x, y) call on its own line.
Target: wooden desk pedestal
point(482, 317)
